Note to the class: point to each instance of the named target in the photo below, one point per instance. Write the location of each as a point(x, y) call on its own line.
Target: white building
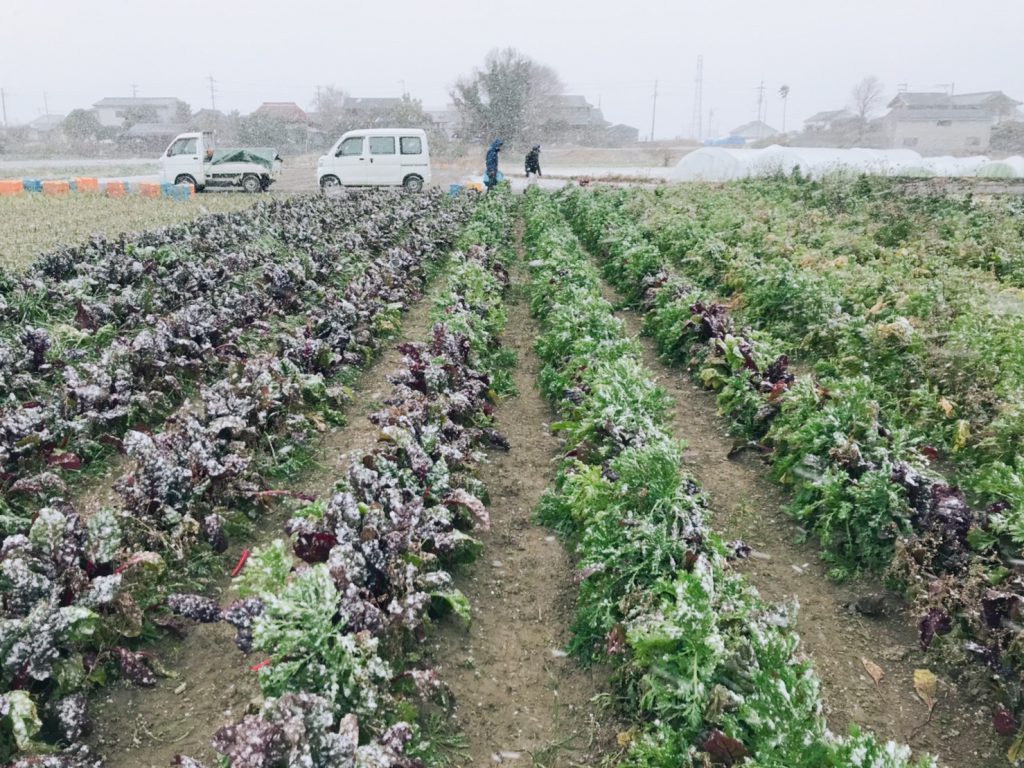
point(940, 123)
point(113, 111)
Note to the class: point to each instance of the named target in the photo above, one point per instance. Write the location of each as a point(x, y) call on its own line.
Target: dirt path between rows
point(146, 727)
point(747, 505)
point(519, 699)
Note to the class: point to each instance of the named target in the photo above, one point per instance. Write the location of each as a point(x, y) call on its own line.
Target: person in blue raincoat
point(491, 171)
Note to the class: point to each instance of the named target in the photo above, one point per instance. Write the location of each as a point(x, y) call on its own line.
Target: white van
point(378, 157)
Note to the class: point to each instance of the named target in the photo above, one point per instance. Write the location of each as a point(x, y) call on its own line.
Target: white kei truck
point(192, 159)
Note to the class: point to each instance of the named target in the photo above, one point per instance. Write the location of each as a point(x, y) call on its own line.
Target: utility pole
point(46, 104)
point(784, 93)
point(135, 90)
point(696, 122)
point(318, 107)
point(760, 100)
point(654, 108)
point(3, 106)
point(213, 94)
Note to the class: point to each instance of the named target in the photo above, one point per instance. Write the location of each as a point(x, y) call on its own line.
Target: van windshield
point(351, 146)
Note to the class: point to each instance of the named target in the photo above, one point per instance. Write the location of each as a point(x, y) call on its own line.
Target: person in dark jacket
point(491, 172)
point(533, 161)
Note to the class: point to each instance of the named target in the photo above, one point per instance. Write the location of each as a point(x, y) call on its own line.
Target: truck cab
point(192, 159)
point(377, 157)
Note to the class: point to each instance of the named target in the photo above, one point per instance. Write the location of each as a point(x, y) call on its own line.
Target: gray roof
point(924, 100)
point(141, 101)
point(829, 115)
point(754, 130)
point(570, 100)
point(46, 122)
point(372, 102)
point(941, 113)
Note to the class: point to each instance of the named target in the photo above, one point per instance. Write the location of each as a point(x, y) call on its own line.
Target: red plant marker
point(241, 562)
point(261, 665)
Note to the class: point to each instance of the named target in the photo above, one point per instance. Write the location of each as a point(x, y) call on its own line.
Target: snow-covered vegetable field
point(286, 429)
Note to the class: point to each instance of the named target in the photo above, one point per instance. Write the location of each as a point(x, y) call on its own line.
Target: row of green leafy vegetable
point(332, 610)
point(936, 337)
point(77, 595)
point(710, 670)
point(861, 484)
point(183, 314)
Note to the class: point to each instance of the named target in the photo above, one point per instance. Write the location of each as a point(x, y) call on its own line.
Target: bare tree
point(509, 98)
point(867, 95)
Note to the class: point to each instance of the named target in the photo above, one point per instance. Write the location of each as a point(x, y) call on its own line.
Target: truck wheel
point(330, 184)
point(186, 179)
point(251, 183)
point(412, 184)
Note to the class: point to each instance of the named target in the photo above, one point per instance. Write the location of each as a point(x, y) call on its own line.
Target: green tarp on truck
point(264, 156)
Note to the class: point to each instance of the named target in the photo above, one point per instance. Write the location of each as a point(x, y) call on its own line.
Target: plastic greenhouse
point(721, 164)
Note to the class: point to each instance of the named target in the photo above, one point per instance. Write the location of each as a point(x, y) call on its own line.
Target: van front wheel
point(251, 183)
point(413, 184)
point(186, 179)
point(330, 184)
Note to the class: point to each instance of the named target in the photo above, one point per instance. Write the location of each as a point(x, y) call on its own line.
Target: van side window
point(351, 146)
point(382, 145)
point(411, 145)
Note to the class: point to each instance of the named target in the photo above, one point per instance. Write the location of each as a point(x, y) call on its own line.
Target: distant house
point(828, 120)
point(572, 119)
point(576, 112)
point(371, 105)
point(755, 130)
point(151, 136)
point(44, 128)
point(113, 112)
point(287, 111)
point(619, 134)
point(208, 120)
point(446, 119)
point(941, 123)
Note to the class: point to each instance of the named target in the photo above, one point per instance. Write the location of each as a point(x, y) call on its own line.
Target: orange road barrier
point(87, 185)
point(147, 189)
point(11, 187)
point(56, 187)
point(116, 189)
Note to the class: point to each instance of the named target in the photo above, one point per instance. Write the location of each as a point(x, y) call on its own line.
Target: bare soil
point(519, 699)
point(835, 630)
point(213, 682)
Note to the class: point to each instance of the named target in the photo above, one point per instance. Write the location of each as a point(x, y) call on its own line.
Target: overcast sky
point(78, 51)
